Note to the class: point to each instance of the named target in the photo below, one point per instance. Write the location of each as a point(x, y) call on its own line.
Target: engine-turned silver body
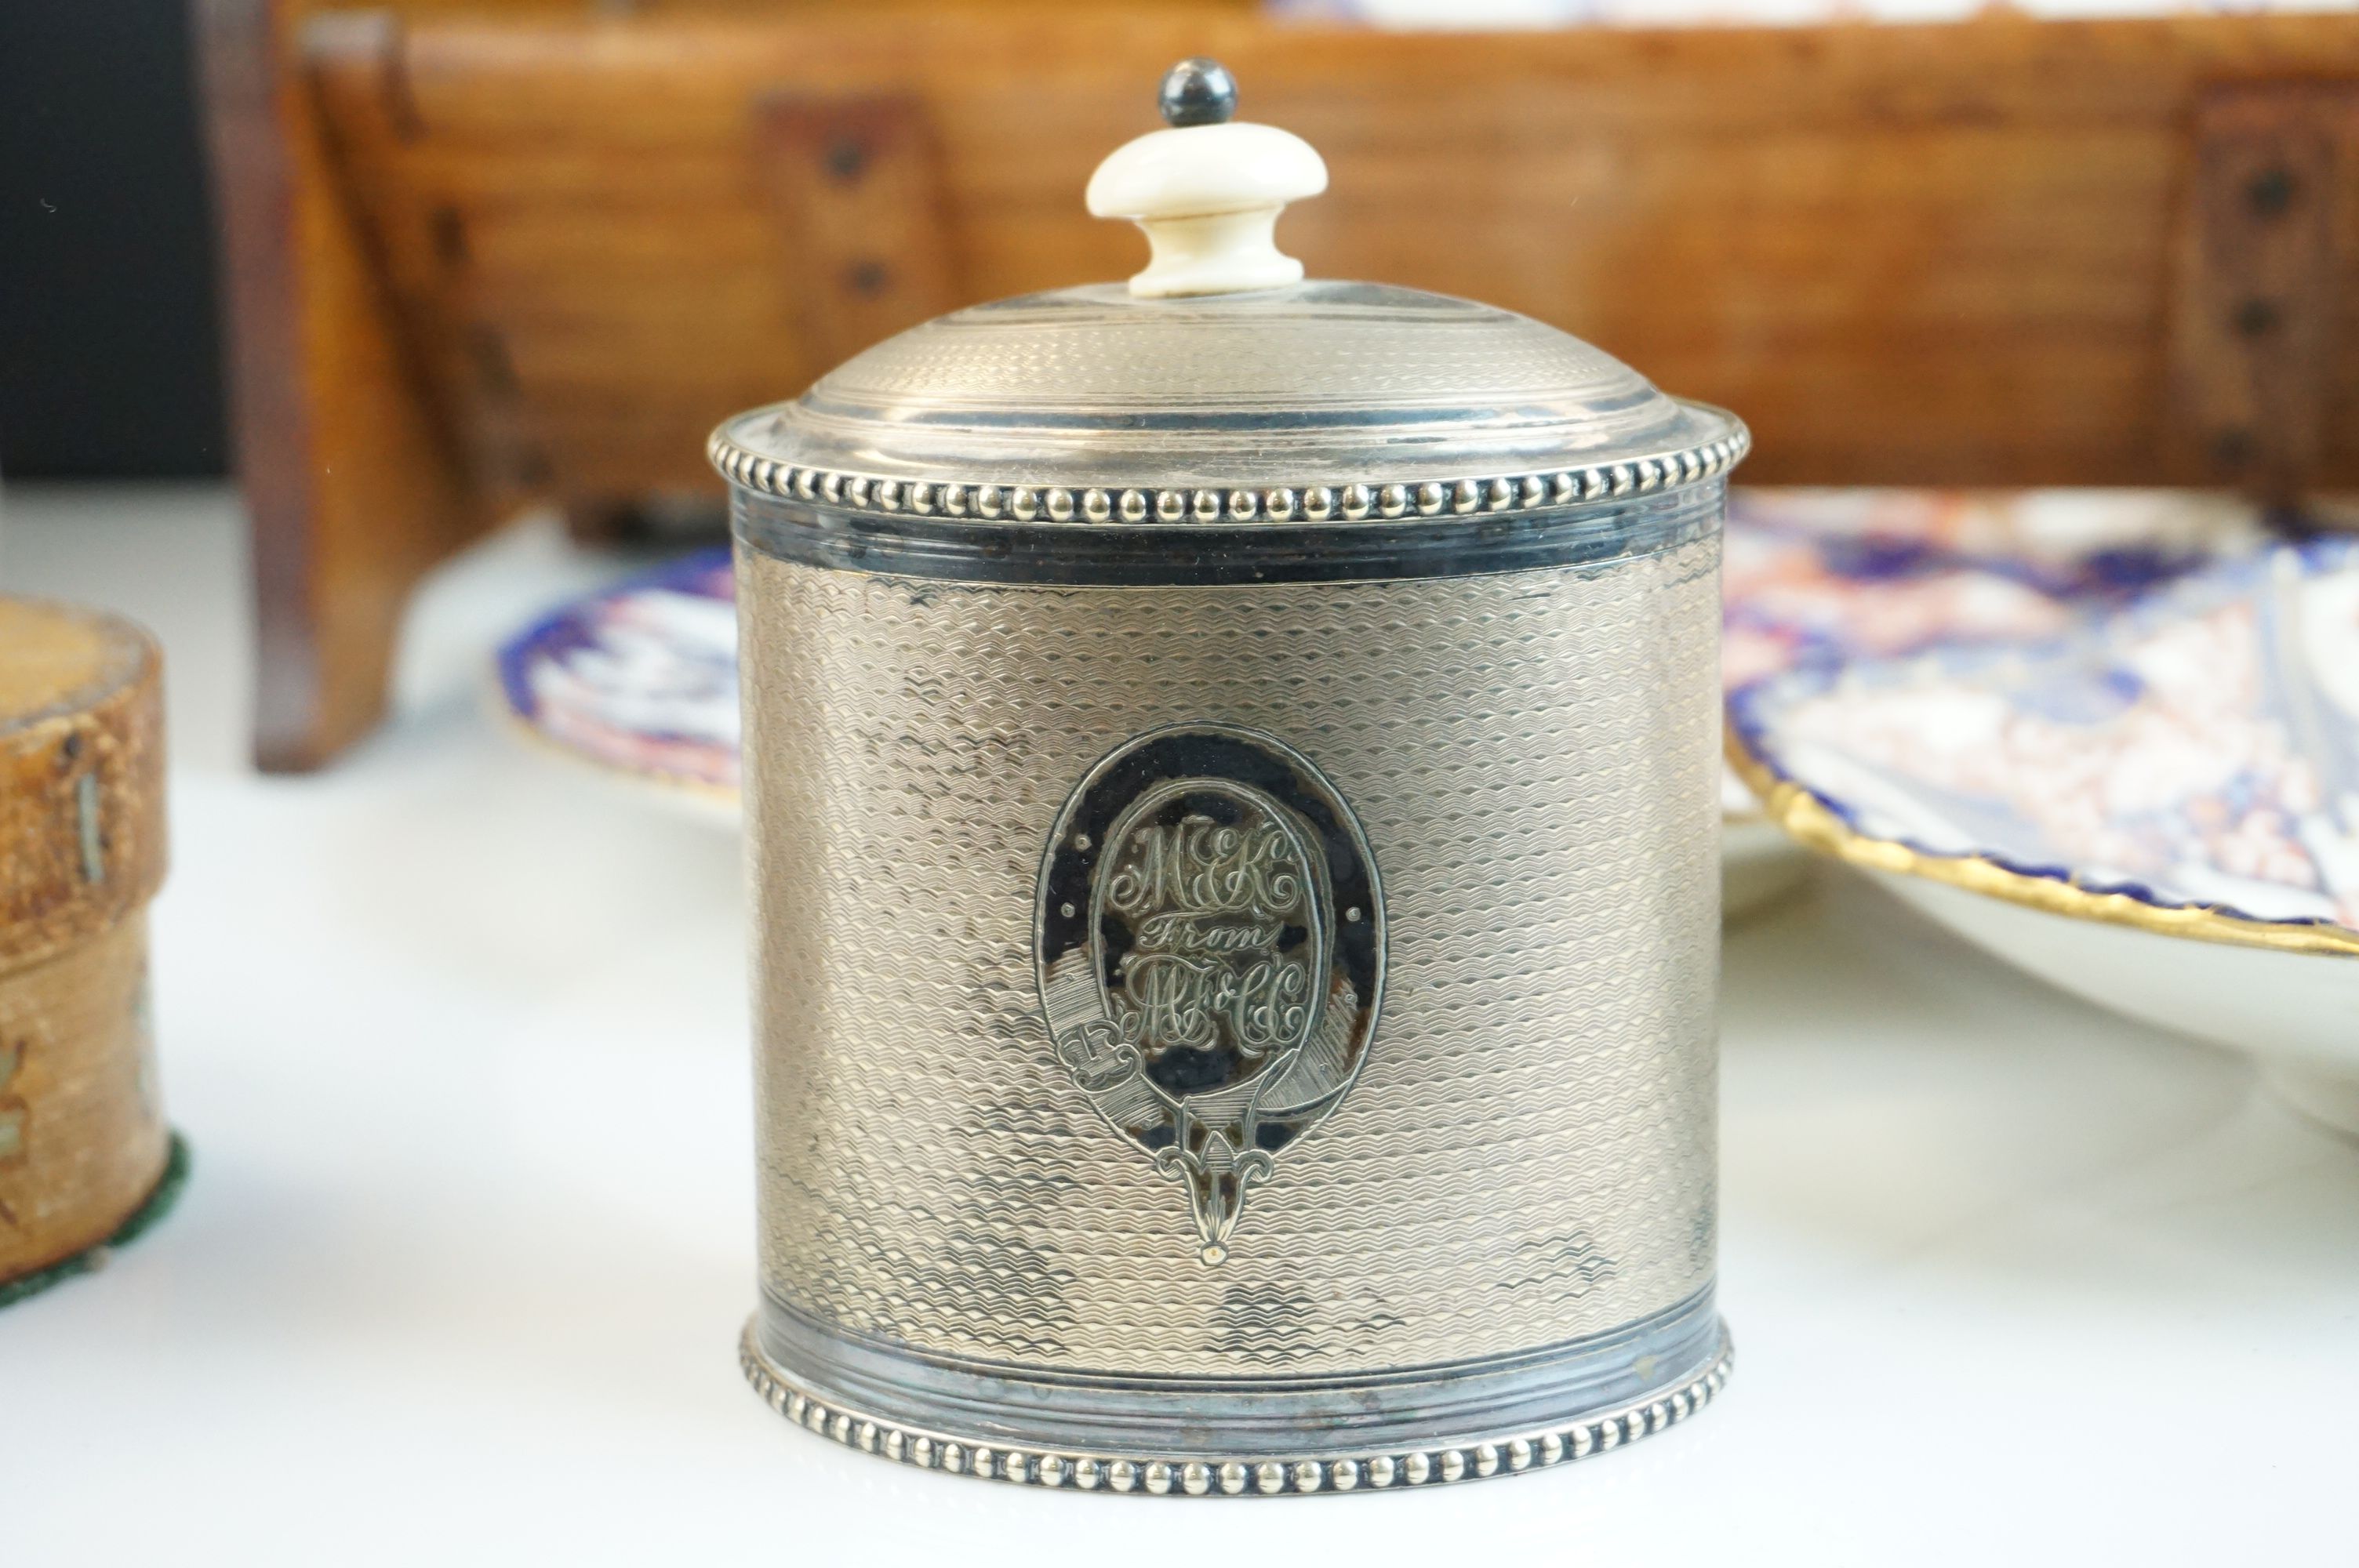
point(1232, 803)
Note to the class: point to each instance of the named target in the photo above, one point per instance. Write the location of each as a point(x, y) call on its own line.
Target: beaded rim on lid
point(1356, 502)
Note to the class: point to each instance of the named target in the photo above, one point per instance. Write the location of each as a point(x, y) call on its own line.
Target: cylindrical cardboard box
point(83, 1139)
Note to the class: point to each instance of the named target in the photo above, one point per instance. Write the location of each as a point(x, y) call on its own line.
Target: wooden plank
point(346, 468)
point(2264, 250)
point(857, 182)
point(1061, 79)
point(420, 250)
point(1930, 254)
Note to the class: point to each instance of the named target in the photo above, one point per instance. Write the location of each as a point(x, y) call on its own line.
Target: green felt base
point(158, 1205)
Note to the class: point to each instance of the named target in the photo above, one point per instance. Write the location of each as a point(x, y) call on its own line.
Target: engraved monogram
point(1208, 904)
point(1209, 936)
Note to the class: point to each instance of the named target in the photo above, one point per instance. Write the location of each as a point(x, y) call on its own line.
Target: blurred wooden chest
point(485, 256)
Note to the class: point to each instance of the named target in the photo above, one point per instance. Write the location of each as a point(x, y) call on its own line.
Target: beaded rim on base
point(1255, 1475)
point(1183, 506)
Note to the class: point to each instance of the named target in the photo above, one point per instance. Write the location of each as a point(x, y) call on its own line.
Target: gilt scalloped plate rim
point(1829, 826)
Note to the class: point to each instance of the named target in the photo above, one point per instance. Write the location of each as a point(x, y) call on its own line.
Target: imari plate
point(639, 679)
point(1815, 577)
point(2158, 809)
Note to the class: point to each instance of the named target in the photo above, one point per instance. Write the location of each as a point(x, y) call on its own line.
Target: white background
point(459, 1039)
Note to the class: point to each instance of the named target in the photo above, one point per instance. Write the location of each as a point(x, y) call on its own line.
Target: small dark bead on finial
point(1198, 92)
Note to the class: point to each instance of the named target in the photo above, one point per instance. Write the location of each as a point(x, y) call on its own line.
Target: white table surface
point(458, 1036)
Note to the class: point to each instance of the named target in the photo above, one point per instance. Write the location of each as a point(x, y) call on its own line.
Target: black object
point(1198, 92)
point(110, 360)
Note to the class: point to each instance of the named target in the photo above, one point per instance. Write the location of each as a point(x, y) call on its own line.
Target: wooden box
point(478, 261)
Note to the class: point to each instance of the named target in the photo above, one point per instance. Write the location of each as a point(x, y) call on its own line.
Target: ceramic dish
point(1819, 576)
point(2159, 810)
point(640, 680)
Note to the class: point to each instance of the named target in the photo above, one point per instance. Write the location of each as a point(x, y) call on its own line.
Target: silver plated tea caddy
point(1232, 768)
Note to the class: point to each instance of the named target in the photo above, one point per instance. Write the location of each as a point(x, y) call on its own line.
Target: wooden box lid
point(81, 775)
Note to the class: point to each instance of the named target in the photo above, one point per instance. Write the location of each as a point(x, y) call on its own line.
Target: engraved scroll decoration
point(1210, 939)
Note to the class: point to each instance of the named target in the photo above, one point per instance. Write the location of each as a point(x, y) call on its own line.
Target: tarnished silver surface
point(1323, 1413)
point(1358, 401)
point(1160, 1469)
point(1526, 1158)
point(1233, 792)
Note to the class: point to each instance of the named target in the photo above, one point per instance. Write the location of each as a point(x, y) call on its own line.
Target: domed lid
point(1218, 386)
